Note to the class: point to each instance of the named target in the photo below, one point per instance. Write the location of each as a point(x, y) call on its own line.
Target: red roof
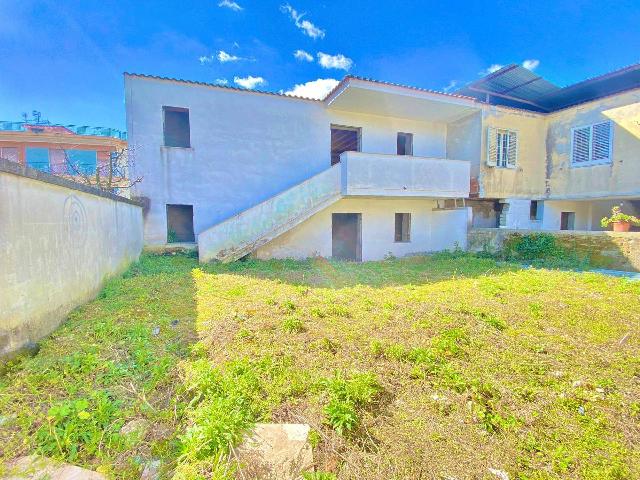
point(48, 129)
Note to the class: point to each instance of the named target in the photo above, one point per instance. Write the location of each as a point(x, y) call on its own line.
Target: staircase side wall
point(269, 218)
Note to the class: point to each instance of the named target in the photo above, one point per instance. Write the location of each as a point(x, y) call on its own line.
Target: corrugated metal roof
point(515, 86)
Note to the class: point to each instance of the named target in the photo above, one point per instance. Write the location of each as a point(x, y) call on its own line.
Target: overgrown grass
point(424, 367)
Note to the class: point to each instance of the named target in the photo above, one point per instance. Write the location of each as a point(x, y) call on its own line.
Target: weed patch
point(422, 364)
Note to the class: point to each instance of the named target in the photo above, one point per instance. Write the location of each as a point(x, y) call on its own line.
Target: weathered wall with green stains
point(622, 176)
point(612, 250)
point(544, 152)
point(60, 241)
point(527, 180)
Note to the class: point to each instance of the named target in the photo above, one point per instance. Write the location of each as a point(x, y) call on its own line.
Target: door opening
point(346, 236)
point(344, 139)
point(567, 220)
point(180, 224)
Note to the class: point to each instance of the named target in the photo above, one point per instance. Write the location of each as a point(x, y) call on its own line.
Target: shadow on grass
point(326, 273)
point(114, 360)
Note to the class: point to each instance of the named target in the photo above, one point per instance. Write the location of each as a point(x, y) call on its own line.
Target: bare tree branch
point(112, 176)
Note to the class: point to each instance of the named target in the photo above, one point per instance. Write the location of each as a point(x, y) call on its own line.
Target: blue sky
point(66, 57)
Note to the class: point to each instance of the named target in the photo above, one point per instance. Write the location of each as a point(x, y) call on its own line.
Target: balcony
point(372, 174)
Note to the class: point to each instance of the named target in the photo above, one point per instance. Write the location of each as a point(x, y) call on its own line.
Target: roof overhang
point(378, 98)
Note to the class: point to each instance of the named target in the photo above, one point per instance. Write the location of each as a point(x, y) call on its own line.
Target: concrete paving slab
point(34, 467)
point(278, 451)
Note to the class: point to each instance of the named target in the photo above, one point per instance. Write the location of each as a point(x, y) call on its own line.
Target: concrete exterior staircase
point(248, 230)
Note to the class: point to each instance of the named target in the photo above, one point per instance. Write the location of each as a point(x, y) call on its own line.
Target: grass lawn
point(438, 367)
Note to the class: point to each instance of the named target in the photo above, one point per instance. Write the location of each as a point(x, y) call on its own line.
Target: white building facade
point(378, 169)
point(363, 174)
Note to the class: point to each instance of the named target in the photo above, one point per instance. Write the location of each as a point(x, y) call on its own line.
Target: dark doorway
point(567, 220)
point(344, 139)
point(346, 236)
point(405, 143)
point(180, 223)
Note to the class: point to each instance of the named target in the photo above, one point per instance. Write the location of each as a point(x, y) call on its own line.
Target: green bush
point(531, 246)
point(541, 250)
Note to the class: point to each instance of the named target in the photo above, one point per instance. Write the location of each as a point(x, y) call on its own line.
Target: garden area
point(446, 366)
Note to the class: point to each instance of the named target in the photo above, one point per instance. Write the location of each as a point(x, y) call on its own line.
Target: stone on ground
point(276, 451)
point(34, 467)
point(151, 470)
point(137, 427)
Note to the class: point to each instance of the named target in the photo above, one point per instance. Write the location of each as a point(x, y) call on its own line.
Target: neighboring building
point(377, 168)
point(572, 154)
point(64, 150)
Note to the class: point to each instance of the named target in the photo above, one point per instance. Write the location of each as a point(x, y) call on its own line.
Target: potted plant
point(621, 221)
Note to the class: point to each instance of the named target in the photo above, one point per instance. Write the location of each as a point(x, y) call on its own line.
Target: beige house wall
point(621, 177)
point(527, 179)
point(544, 167)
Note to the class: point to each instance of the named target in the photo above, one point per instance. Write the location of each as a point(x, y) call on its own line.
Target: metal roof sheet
point(516, 86)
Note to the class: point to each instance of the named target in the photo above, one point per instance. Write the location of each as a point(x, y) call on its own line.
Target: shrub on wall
point(541, 249)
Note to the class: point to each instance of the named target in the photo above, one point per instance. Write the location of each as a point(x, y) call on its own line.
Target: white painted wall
point(246, 147)
point(59, 245)
point(464, 140)
point(243, 233)
point(403, 176)
point(553, 210)
point(518, 216)
point(430, 230)
point(379, 134)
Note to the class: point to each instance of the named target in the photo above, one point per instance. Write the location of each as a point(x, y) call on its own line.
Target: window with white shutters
point(591, 145)
point(502, 147)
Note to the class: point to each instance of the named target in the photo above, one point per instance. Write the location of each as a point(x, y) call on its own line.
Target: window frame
point(495, 162)
point(334, 126)
point(591, 162)
point(405, 135)
point(401, 238)
point(13, 158)
point(26, 158)
point(169, 108)
point(539, 209)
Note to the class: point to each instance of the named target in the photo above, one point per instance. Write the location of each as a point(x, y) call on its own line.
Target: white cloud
point(206, 59)
point(306, 26)
point(493, 68)
point(303, 56)
point(224, 57)
point(452, 84)
point(314, 89)
point(221, 81)
point(529, 64)
point(249, 82)
point(231, 5)
point(334, 61)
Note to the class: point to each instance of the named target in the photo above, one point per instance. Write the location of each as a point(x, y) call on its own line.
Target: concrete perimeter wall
point(59, 242)
point(618, 251)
